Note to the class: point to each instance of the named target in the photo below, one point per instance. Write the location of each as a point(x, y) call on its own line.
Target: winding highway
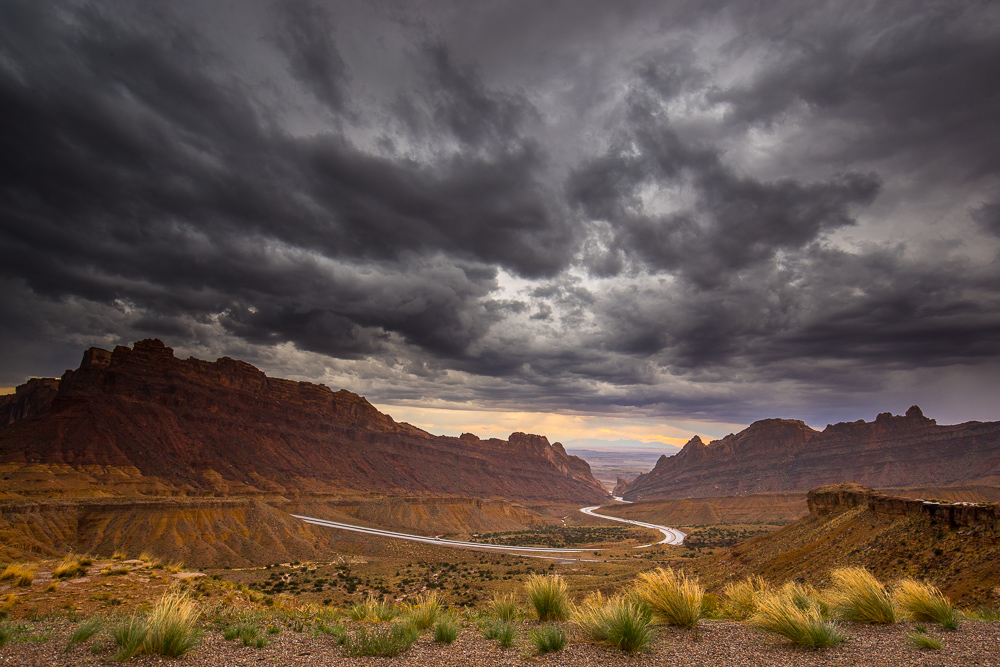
point(670, 535)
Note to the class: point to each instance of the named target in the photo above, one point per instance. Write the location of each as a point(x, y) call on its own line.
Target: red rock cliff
point(139, 419)
point(785, 455)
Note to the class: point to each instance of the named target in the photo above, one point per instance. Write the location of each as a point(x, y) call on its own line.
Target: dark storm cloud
point(736, 220)
point(133, 172)
point(679, 207)
point(304, 33)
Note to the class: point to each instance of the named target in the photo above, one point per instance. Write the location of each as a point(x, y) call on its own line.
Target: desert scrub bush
point(505, 608)
point(6, 633)
point(168, 630)
point(382, 640)
point(424, 613)
point(446, 631)
point(924, 642)
point(502, 631)
point(782, 614)
point(70, 567)
point(740, 598)
point(549, 595)
point(671, 596)
point(548, 639)
point(856, 595)
point(245, 632)
point(372, 610)
point(86, 630)
point(920, 601)
point(620, 622)
point(114, 570)
point(22, 574)
point(119, 555)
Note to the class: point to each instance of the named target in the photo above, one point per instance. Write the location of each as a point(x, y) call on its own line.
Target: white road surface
point(670, 535)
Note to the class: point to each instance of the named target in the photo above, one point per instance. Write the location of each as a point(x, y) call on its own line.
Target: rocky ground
point(722, 643)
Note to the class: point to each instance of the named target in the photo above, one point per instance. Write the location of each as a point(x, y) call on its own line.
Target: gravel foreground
point(715, 643)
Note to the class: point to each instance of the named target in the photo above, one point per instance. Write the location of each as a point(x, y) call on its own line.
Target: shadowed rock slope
point(139, 421)
point(955, 546)
point(785, 455)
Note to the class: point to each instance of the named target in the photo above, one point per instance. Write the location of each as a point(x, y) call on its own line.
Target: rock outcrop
point(32, 397)
point(785, 455)
point(141, 421)
point(839, 497)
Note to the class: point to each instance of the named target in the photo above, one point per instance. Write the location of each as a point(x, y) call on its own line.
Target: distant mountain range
point(139, 421)
point(784, 455)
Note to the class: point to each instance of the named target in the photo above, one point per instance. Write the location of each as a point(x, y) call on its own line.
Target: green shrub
point(924, 642)
point(503, 631)
point(86, 630)
point(672, 597)
point(6, 633)
point(446, 631)
point(246, 632)
point(741, 597)
point(922, 602)
point(549, 596)
point(857, 595)
point(782, 614)
point(548, 638)
point(129, 637)
point(382, 640)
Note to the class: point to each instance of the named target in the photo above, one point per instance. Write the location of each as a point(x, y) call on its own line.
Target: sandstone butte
point(139, 421)
point(784, 455)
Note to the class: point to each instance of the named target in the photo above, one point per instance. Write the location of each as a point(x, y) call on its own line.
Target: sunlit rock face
point(139, 420)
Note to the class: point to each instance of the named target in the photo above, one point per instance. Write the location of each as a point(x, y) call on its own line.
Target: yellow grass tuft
point(425, 612)
point(671, 596)
point(920, 601)
point(742, 597)
point(783, 613)
point(22, 574)
point(857, 595)
point(622, 622)
point(71, 567)
point(505, 608)
point(119, 555)
point(549, 595)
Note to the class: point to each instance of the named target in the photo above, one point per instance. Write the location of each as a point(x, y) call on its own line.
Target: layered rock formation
point(785, 455)
point(141, 421)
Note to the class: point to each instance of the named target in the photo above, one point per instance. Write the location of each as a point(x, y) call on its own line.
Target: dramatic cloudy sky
point(590, 219)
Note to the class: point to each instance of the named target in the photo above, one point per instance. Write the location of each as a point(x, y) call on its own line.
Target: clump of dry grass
point(22, 574)
point(505, 608)
point(372, 610)
point(424, 613)
point(8, 604)
point(796, 618)
point(671, 596)
point(856, 595)
point(920, 601)
point(621, 622)
point(169, 629)
point(119, 555)
point(150, 560)
point(71, 567)
point(742, 597)
point(549, 595)
point(113, 570)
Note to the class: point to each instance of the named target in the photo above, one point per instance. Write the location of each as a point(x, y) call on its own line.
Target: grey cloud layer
point(454, 240)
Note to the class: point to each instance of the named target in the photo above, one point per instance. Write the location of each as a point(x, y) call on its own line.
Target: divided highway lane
point(432, 540)
point(670, 535)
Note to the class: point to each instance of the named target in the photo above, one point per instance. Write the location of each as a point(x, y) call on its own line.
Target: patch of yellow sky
point(6, 390)
point(556, 427)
